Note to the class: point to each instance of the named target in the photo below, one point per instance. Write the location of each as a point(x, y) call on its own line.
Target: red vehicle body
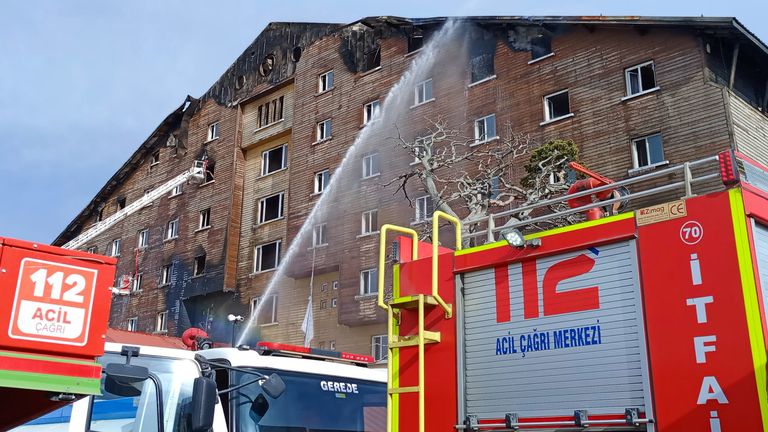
point(54, 311)
point(653, 320)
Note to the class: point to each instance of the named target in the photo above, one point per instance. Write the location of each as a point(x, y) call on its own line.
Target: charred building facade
point(635, 94)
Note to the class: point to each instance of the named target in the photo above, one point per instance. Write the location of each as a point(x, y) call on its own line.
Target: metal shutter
point(761, 250)
point(603, 378)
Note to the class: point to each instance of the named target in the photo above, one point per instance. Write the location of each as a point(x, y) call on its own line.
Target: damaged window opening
point(640, 78)
point(325, 82)
point(267, 65)
point(240, 82)
point(372, 59)
point(100, 214)
point(266, 257)
point(541, 46)
point(92, 249)
point(556, 105)
point(271, 208)
point(162, 322)
point(120, 203)
point(416, 40)
point(274, 160)
point(155, 158)
point(296, 53)
point(482, 51)
point(270, 112)
point(210, 167)
point(199, 267)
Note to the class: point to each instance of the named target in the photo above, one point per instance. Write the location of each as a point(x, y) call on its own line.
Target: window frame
point(114, 247)
point(370, 162)
point(371, 275)
point(258, 257)
point(366, 219)
point(138, 278)
point(165, 274)
point(161, 322)
point(155, 158)
point(635, 157)
point(213, 131)
point(372, 114)
point(426, 199)
point(142, 240)
point(196, 270)
point(132, 324)
point(322, 231)
point(265, 159)
point(176, 191)
point(172, 233)
point(327, 130)
point(262, 209)
point(547, 114)
point(323, 83)
point(205, 218)
point(380, 342)
point(638, 67)
point(255, 301)
point(484, 121)
point(321, 181)
point(422, 86)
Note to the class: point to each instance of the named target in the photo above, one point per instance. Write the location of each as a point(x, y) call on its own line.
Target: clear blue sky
point(82, 84)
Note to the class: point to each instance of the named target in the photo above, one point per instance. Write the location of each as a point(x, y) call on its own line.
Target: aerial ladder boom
point(196, 173)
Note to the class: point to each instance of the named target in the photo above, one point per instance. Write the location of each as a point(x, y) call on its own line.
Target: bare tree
point(470, 180)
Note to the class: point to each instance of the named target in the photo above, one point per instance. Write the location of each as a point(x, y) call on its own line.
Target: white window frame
point(320, 235)
point(379, 346)
point(370, 276)
point(114, 248)
point(332, 345)
point(136, 283)
point(258, 256)
point(255, 305)
point(420, 142)
point(335, 285)
point(155, 158)
point(420, 92)
point(324, 130)
point(334, 303)
point(638, 67)
point(483, 138)
point(165, 274)
point(548, 115)
point(205, 219)
point(265, 158)
point(172, 229)
point(142, 239)
point(325, 81)
point(213, 131)
point(371, 111)
point(161, 322)
point(196, 271)
point(176, 191)
point(262, 209)
point(368, 165)
point(422, 207)
point(133, 324)
point(635, 158)
point(322, 179)
point(367, 222)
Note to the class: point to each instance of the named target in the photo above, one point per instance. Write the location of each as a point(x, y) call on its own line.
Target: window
point(416, 40)
point(161, 325)
point(133, 324)
point(482, 50)
point(266, 257)
point(332, 345)
point(270, 112)
point(496, 187)
point(199, 267)
point(370, 111)
point(267, 311)
point(120, 203)
point(423, 92)
point(155, 158)
point(176, 191)
point(324, 130)
point(136, 286)
point(556, 105)
point(647, 151)
point(379, 348)
point(324, 287)
point(143, 240)
point(485, 129)
point(274, 160)
point(334, 302)
point(271, 208)
point(335, 284)
point(640, 78)
point(321, 181)
point(368, 281)
point(541, 46)
point(371, 165)
point(325, 82)
point(323, 304)
point(165, 274)
point(92, 249)
point(213, 131)
point(172, 229)
point(319, 236)
point(210, 167)
point(420, 147)
point(100, 214)
point(205, 219)
point(114, 248)
point(424, 208)
point(369, 222)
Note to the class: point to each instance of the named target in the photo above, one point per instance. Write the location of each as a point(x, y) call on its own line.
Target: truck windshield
point(312, 403)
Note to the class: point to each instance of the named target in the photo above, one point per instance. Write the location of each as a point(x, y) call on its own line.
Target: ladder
point(418, 302)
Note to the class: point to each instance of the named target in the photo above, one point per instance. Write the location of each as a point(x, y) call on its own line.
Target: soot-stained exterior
point(636, 94)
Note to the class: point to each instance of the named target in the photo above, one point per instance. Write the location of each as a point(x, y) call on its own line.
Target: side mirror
point(273, 386)
point(204, 398)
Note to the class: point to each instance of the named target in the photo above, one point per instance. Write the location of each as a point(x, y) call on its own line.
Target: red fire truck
point(651, 320)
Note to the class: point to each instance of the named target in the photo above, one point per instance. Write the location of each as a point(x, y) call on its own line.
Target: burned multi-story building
point(635, 94)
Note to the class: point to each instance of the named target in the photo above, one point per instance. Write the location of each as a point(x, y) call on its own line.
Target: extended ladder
point(420, 302)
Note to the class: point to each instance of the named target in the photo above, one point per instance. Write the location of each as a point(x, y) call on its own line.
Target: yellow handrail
point(435, 233)
point(383, 252)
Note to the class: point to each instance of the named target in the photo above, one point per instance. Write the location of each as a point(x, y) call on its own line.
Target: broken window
point(274, 160)
point(424, 208)
point(370, 111)
point(199, 267)
point(321, 181)
point(266, 257)
point(100, 214)
point(270, 112)
point(120, 203)
point(541, 45)
point(369, 222)
point(416, 40)
point(213, 131)
point(210, 167)
point(372, 58)
point(155, 158)
point(640, 78)
point(271, 208)
point(368, 281)
point(92, 249)
point(324, 130)
point(647, 151)
point(481, 61)
point(267, 65)
point(267, 309)
point(319, 236)
point(423, 92)
point(205, 219)
point(371, 165)
point(485, 129)
point(161, 325)
point(325, 81)
point(556, 105)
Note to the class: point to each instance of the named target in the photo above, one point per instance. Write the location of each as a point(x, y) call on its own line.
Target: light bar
point(275, 347)
point(729, 172)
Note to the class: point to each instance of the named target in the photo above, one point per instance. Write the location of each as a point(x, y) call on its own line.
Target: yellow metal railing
point(383, 254)
point(436, 216)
